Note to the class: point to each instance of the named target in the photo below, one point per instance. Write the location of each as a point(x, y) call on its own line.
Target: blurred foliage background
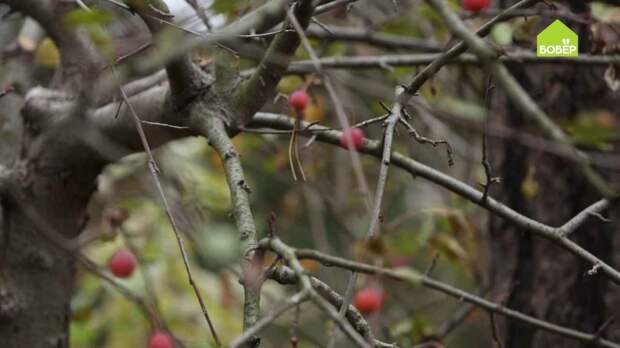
point(422, 223)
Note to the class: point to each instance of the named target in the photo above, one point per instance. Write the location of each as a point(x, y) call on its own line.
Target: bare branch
point(287, 304)
point(416, 278)
point(154, 172)
point(388, 61)
point(253, 93)
point(285, 275)
point(184, 76)
point(391, 41)
point(78, 59)
point(518, 95)
point(288, 254)
point(420, 170)
point(213, 127)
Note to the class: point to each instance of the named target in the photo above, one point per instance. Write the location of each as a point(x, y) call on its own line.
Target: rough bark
point(45, 193)
point(532, 274)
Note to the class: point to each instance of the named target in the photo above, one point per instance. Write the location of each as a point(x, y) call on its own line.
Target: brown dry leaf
point(310, 265)
point(605, 38)
point(377, 246)
point(450, 247)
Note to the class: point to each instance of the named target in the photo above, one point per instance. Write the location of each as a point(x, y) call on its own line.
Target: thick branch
point(109, 129)
point(79, 60)
point(184, 76)
point(253, 93)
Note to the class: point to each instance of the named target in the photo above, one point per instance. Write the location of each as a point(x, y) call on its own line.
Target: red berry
point(355, 136)
point(475, 5)
point(122, 263)
point(160, 339)
point(368, 300)
point(299, 100)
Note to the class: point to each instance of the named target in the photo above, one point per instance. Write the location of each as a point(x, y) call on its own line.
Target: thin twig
point(150, 313)
point(417, 59)
point(154, 172)
point(424, 140)
point(488, 170)
point(496, 340)
point(146, 279)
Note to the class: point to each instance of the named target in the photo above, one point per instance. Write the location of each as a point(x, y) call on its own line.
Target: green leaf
point(594, 129)
point(502, 33)
point(81, 17)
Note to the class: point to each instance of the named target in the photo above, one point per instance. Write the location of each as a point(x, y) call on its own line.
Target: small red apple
point(160, 339)
point(299, 100)
point(475, 5)
point(355, 136)
point(368, 300)
point(122, 263)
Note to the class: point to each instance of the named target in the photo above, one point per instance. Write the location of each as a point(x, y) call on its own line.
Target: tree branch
point(288, 254)
point(415, 278)
point(379, 39)
point(395, 60)
point(79, 61)
point(213, 127)
point(253, 93)
point(418, 169)
point(457, 50)
point(184, 76)
point(285, 275)
point(518, 95)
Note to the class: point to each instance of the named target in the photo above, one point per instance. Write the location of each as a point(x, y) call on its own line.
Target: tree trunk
point(532, 274)
point(44, 211)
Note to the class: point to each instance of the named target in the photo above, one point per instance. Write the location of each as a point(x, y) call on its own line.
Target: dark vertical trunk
point(35, 288)
point(43, 198)
point(44, 209)
point(531, 274)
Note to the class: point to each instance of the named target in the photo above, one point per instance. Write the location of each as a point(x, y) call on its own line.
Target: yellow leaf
point(529, 187)
point(449, 246)
point(47, 54)
point(314, 112)
point(289, 84)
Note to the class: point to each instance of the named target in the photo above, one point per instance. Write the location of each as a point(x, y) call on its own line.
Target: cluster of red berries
point(475, 5)
point(350, 137)
point(368, 300)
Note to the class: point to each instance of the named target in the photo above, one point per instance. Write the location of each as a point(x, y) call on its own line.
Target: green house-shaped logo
point(557, 40)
